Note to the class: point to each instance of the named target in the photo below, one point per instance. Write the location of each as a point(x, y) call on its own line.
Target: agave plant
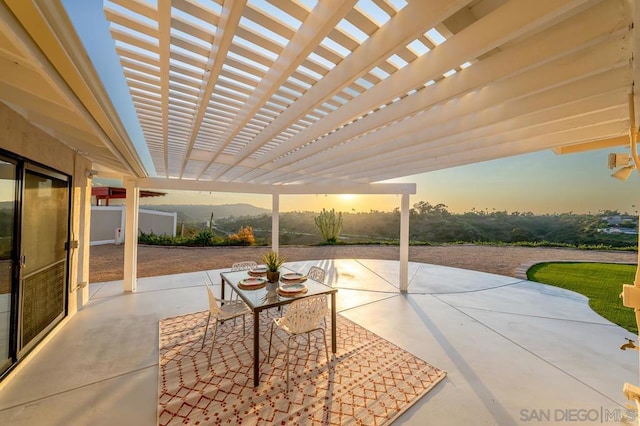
point(273, 261)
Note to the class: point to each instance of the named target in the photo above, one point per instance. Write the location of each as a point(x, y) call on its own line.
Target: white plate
point(253, 281)
point(292, 276)
point(292, 288)
point(259, 269)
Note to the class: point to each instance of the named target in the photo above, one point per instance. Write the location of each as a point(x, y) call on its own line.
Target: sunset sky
point(541, 183)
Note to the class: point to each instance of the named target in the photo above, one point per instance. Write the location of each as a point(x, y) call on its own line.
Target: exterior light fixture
point(623, 173)
point(619, 160)
point(624, 162)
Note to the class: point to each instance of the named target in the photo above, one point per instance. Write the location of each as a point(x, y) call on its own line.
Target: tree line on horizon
point(434, 224)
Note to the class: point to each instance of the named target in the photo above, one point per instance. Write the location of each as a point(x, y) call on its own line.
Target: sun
point(347, 197)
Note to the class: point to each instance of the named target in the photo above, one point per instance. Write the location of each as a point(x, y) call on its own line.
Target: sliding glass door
point(34, 238)
point(8, 191)
point(43, 249)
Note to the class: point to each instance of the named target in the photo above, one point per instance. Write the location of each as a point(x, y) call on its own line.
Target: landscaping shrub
point(244, 237)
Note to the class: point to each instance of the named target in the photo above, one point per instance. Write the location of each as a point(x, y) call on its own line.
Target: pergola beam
point(507, 106)
point(508, 22)
point(613, 142)
point(225, 30)
point(507, 148)
point(354, 188)
point(325, 16)
point(416, 18)
point(435, 141)
point(164, 38)
point(446, 99)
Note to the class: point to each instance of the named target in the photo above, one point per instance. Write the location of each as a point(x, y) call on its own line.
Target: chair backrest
point(305, 314)
point(243, 266)
point(214, 308)
point(316, 273)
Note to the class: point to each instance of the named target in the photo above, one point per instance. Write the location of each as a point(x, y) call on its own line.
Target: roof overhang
point(48, 78)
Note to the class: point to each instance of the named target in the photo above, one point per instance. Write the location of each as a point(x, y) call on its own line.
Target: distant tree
point(426, 208)
point(520, 235)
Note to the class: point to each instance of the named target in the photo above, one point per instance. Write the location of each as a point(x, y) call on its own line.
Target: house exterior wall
point(21, 138)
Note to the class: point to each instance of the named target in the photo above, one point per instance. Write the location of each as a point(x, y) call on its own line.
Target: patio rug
point(369, 381)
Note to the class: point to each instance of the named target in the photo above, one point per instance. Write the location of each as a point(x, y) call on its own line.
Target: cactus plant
point(330, 225)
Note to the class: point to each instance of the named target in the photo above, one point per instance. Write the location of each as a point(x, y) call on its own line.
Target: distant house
point(620, 224)
point(618, 220)
point(613, 220)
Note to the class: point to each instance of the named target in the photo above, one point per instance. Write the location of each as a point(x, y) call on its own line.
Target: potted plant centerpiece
point(273, 261)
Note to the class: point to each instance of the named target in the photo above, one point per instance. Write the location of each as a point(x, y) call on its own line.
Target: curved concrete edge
point(521, 271)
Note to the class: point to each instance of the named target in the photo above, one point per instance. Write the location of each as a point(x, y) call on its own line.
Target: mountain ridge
point(202, 213)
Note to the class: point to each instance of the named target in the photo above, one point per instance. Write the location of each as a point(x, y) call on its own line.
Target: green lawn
point(600, 282)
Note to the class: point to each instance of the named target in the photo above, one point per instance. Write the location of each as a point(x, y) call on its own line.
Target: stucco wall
point(19, 137)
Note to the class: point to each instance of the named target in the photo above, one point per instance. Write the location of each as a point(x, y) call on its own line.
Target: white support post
point(275, 221)
point(636, 284)
point(131, 237)
point(631, 293)
point(84, 238)
point(404, 243)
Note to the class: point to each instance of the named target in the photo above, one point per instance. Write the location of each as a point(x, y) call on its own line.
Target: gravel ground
point(106, 263)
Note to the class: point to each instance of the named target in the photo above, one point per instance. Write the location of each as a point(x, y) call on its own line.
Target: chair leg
point(213, 342)
point(287, 364)
point(326, 348)
point(244, 326)
point(206, 328)
point(270, 336)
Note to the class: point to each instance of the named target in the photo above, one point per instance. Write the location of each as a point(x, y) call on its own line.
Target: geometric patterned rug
point(369, 381)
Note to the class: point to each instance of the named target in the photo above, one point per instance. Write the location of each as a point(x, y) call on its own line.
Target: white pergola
point(330, 96)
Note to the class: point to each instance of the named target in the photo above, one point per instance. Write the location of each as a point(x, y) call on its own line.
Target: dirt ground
point(107, 261)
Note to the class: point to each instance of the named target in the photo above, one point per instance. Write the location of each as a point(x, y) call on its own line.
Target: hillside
point(196, 213)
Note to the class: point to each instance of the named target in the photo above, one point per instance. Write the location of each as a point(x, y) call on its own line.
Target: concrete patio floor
point(515, 351)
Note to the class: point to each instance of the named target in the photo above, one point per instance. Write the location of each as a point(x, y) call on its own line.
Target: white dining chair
point(316, 273)
point(220, 311)
point(245, 265)
point(302, 317)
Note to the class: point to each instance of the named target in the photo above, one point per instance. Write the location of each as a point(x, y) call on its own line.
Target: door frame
point(22, 166)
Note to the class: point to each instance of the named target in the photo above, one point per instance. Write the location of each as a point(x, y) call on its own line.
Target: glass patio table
point(259, 299)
